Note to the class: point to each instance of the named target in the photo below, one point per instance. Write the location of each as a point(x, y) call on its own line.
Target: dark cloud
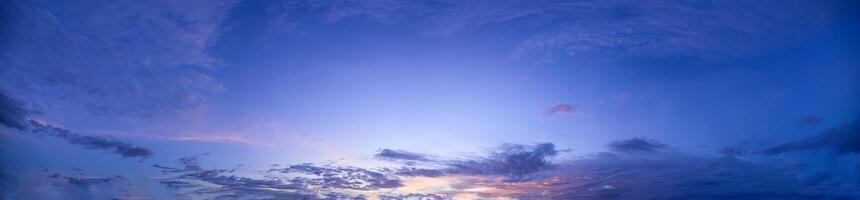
point(413, 196)
point(344, 177)
point(637, 145)
point(14, 115)
point(12, 112)
point(843, 139)
point(513, 161)
point(400, 155)
point(304, 181)
point(603, 176)
point(411, 171)
point(510, 160)
point(90, 142)
point(560, 109)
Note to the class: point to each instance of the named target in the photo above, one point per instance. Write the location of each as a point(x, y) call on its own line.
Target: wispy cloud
point(635, 145)
point(152, 56)
point(14, 115)
point(560, 109)
point(617, 28)
point(843, 139)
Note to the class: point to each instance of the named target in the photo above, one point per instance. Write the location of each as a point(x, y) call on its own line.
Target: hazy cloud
point(844, 139)
point(90, 142)
point(637, 145)
point(619, 28)
point(560, 109)
point(12, 112)
point(14, 115)
point(400, 155)
point(151, 56)
point(511, 160)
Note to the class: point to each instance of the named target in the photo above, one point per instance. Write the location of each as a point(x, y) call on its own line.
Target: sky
point(435, 99)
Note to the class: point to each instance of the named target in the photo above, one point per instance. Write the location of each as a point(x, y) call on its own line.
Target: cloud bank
point(524, 172)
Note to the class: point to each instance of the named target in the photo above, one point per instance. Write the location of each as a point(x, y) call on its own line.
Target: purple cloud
point(634, 145)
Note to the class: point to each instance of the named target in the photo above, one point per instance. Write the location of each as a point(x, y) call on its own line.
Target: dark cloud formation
point(342, 177)
point(641, 145)
point(413, 196)
point(657, 175)
point(400, 155)
point(844, 139)
point(411, 171)
point(560, 109)
point(12, 112)
point(513, 161)
point(90, 142)
point(14, 115)
point(302, 181)
point(510, 160)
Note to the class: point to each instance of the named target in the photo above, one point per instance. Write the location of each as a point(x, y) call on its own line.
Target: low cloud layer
point(657, 175)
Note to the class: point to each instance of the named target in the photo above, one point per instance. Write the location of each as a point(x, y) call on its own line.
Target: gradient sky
point(437, 99)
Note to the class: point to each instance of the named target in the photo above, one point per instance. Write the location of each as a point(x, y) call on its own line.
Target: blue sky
point(483, 99)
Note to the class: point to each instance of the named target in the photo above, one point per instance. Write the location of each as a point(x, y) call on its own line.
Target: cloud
point(657, 175)
point(684, 177)
point(637, 145)
point(400, 155)
point(76, 184)
point(14, 115)
point(560, 109)
point(511, 160)
point(124, 149)
point(125, 58)
point(12, 112)
point(302, 181)
point(844, 139)
point(553, 29)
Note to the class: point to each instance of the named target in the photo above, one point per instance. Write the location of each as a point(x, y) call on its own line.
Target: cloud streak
point(152, 56)
point(637, 145)
point(14, 115)
point(657, 175)
point(843, 139)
